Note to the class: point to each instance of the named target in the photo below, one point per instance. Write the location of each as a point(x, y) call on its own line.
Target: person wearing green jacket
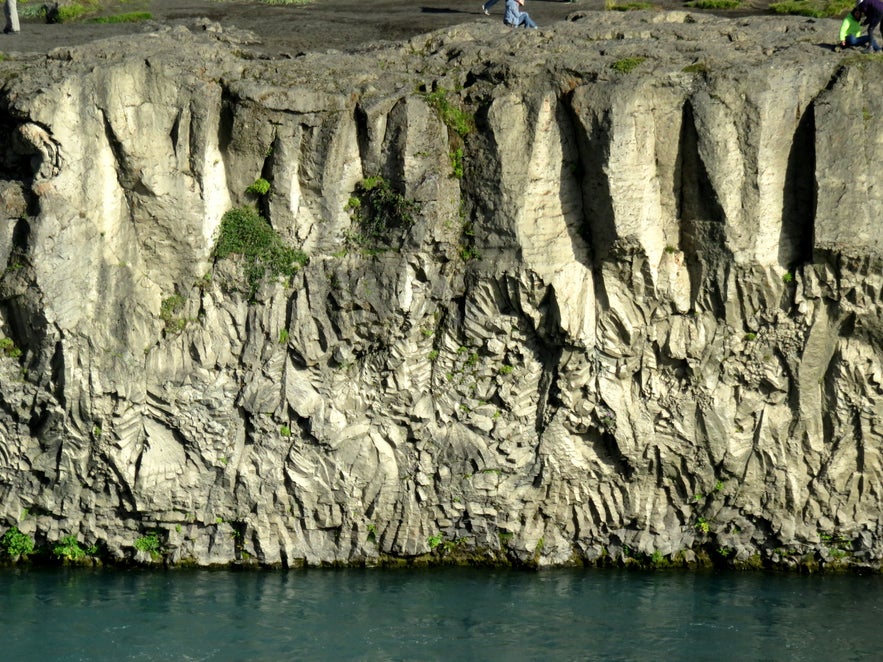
point(851, 29)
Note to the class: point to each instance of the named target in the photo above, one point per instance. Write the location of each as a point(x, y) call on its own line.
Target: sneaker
point(486, 12)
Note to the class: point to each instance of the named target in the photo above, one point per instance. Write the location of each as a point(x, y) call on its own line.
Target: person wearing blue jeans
point(487, 5)
point(872, 11)
point(516, 18)
point(851, 29)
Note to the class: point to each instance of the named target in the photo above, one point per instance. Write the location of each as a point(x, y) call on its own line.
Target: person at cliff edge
point(872, 10)
point(485, 7)
point(851, 29)
point(515, 18)
point(10, 8)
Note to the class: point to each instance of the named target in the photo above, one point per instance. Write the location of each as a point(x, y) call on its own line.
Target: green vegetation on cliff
point(381, 214)
point(246, 233)
point(16, 544)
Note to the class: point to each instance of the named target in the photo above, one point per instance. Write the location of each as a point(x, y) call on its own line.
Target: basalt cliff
point(606, 292)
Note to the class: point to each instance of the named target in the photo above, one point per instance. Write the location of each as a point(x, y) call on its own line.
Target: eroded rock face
point(646, 319)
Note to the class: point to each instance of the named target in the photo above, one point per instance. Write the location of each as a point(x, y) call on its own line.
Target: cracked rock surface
point(637, 313)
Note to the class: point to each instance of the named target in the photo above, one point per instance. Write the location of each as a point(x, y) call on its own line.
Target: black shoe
point(9, 31)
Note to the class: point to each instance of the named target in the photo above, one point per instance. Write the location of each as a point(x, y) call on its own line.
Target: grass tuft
point(812, 8)
point(131, 17)
point(246, 233)
point(459, 121)
point(76, 10)
point(714, 4)
point(627, 64)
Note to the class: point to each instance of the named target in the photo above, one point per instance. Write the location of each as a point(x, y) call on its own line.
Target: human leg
point(872, 43)
point(857, 42)
point(10, 9)
point(487, 5)
point(524, 20)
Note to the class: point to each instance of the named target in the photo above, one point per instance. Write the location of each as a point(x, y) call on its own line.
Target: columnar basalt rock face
point(644, 322)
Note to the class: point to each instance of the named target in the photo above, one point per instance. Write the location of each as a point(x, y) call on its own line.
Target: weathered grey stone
point(645, 319)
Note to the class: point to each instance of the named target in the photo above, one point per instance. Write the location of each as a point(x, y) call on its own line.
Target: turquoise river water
point(440, 614)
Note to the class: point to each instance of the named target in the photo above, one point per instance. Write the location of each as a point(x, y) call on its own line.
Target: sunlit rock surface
point(644, 323)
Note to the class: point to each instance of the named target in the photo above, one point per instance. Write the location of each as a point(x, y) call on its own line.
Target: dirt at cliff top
point(320, 25)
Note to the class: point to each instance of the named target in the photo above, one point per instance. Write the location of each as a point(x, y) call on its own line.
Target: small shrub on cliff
point(149, 544)
point(457, 162)
point(245, 232)
point(8, 348)
point(627, 64)
point(260, 187)
point(467, 253)
point(68, 549)
point(75, 10)
point(168, 313)
point(459, 121)
point(380, 212)
point(14, 543)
